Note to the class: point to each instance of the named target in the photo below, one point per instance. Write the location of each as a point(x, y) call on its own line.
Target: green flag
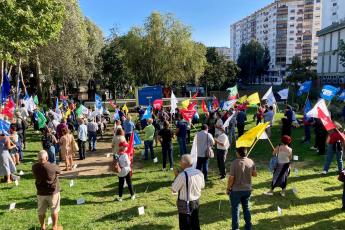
point(232, 91)
point(41, 120)
point(79, 111)
point(36, 100)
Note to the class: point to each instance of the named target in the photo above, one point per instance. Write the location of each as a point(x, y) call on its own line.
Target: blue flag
point(209, 106)
point(341, 97)
point(116, 115)
point(98, 102)
point(137, 140)
point(307, 107)
point(6, 88)
point(304, 88)
point(328, 92)
point(147, 113)
point(4, 127)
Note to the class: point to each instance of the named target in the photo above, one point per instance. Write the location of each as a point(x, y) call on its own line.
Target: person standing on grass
point(129, 127)
point(48, 143)
point(223, 145)
point(66, 142)
point(320, 137)
point(149, 131)
point(92, 128)
point(268, 117)
point(188, 184)
point(205, 142)
point(282, 170)
point(335, 145)
point(181, 133)
point(241, 118)
point(125, 173)
point(165, 136)
point(7, 166)
point(219, 125)
point(82, 138)
point(240, 186)
point(48, 188)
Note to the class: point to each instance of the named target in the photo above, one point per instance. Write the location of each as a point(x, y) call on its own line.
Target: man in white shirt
point(205, 141)
point(219, 125)
point(222, 149)
point(188, 184)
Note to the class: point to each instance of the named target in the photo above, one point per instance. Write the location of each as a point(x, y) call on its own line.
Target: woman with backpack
point(283, 153)
point(335, 143)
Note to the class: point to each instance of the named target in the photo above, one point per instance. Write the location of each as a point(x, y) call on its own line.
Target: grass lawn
point(315, 206)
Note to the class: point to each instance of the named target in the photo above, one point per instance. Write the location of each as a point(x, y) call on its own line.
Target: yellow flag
point(125, 109)
point(185, 104)
point(242, 99)
point(254, 99)
point(249, 138)
point(68, 112)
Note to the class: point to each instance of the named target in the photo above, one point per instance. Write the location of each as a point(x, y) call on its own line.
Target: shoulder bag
point(274, 161)
point(183, 206)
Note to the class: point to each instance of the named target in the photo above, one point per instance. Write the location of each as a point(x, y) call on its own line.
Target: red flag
point(9, 109)
point(187, 114)
point(195, 95)
point(192, 105)
point(112, 104)
point(326, 121)
point(204, 106)
point(157, 104)
point(232, 97)
point(215, 103)
point(341, 134)
point(130, 150)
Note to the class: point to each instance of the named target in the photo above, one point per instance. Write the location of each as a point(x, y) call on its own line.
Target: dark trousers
point(188, 136)
point(167, 153)
point(321, 144)
point(240, 129)
point(307, 133)
point(81, 145)
point(128, 136)
point(149, 145)
point(189, 222)
point(344, 196)
point(202, 165)
point(182, 145)
point(221, 161)
point(129, 184)
point(237, 198)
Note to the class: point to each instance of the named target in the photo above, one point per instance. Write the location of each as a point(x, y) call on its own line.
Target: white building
point(225, 52)
point(329, 68)
point(287, 27)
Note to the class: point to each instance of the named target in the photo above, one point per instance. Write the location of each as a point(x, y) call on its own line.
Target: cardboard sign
point(21, 173)
point(50, 221)
point(71, 183)
point(141, 211)
point(80, 201)
point(295, 158)
point(12, 206)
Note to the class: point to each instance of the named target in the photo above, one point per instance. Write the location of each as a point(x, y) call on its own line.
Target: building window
point(334, 13)
point(334, 3)
point(292, 18)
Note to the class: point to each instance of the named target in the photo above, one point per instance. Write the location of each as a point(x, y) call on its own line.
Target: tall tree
point(341, 52)
point(266, 60)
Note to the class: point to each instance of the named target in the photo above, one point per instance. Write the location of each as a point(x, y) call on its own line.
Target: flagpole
point(257, 139)
point(2, 78)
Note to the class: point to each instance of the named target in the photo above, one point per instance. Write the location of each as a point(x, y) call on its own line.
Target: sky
point(210, 19)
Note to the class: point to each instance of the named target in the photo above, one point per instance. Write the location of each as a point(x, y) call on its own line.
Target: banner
point(195, 95)
point(125, 109)
point(192, 105)
point(228, 105)
point(185, 104)
point(322, 105)
point(41, 120)
point(254, 99)
point(248, 138)
point(233, 92)
point(6, 88)
point(242, 99)
point(204, 106)
point(9, 108)
point(269, 96)
point(173, 102)
point(187, 114)
point(98, 103)
point(328, 92)
point(147, 113)
point(4, 126)
point(112, 104)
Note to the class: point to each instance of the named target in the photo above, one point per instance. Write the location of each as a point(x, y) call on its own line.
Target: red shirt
point(334, 137)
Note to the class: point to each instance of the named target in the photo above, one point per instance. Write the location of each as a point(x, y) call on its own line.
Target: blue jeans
point(307, 133)
point(237, 198)
point(92, 140)
point(149, 145)
point(182, 145)
point(51, 154)
point(19, 145)
point(329, 158)
point(202, 165)
point(57, 151)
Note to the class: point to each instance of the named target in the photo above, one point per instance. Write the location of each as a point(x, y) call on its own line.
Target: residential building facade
point(225, 52)
point(329, 68)
point(287, 27)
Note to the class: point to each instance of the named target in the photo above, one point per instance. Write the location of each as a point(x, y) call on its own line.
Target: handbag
point(75, 147)
point(274, 161)
point(209, 151)
point(341, 176)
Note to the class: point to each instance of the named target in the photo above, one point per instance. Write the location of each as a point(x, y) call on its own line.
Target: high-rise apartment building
point(287, 27)
point(329, 68)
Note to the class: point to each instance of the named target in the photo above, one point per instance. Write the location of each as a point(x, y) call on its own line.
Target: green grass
point(316, 205)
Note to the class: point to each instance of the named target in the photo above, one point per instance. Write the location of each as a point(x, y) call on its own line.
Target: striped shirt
point(195, 184)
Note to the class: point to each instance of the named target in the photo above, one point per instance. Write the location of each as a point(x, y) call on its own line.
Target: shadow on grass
point(150, 226)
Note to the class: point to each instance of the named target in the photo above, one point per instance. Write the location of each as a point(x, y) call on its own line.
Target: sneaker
point(222, 178)
point(324, 172)
point(282, 194)
point(313, 148)
point(133, 197)
point(119, 199)
point(164, 169)
point(171, 169)
point(268, 193)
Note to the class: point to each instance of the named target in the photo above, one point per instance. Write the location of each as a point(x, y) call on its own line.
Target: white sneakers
point(133, 197)
point(324, 172)
point(119, 199)
point(268, 193)
point(164, 169)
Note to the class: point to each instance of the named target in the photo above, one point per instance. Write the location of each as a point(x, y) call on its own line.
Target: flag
point(84, 110)
point(173, 102)
point(98, 103)
point(341, 97)
point(41, 120)
point(284, 94)
point(326, 121)
point(328, 92)
point(304, 88)
point(227, 122)
point(185, 104)
point(307, 107)
point(187, 114)
point(254, 99)
point(137, 140)
point(147, 113)
point(116, 115)
point(125, 109)
point(322, 105)
point(158, 104)
point(57, 110)
point(9, 108)
point(269, 96)
point(215, 103)
point(130, 150)
point(30, 104)
point(204, 107)
point(209, 105)
point(68, 113)
point(194, 151)
point(112, 104)
point(79, 111)
point(228, 105)
point(4, 126)
point(248, 138)
point(36, 100)
point(242, 99)
point(233, 92)
point(192, 105)
point(6, 87)
point(195, 95)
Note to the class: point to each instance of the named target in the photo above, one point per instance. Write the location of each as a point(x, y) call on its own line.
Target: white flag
point(173, 102)
point(264, 136)
point(269, 96)
point(322, 105)
point(30, 104)
point(227, 122)
point(228, 105)
point(194, 151)
point(284, 94)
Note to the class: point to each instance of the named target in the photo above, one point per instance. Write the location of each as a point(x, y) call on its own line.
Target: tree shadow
point(123, 215)
point(150, 226)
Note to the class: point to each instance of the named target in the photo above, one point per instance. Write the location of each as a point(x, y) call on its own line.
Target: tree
point(163, 52)
point(266, 60)
point(301, 70)
point(341, 52)
point(251, 61)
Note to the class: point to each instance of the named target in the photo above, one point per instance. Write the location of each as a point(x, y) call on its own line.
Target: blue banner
point(304, 88)
point(137, 140)
point(328, 92)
